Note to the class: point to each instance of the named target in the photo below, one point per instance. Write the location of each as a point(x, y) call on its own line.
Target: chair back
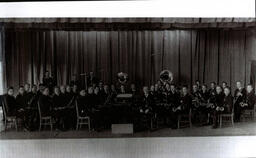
point(39, 109)
point(77, 110)
point(4, 106)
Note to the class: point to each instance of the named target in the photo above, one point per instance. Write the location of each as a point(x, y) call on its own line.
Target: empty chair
point(227, 118)
point(248, 114)
point(44, 120)
point(8, 119)
point(82, 120)
point(185, 119)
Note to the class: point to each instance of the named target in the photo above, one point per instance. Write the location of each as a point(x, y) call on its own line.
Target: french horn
point(166, 76)
point(122, 77)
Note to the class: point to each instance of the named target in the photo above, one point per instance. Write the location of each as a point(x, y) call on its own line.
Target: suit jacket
point(204, 96)
point(57, 101)
point(228, 104)
point(21, 101)
point(186, 103)
point(46, 104)
point(250, 100)
point(219, 99)
point(239, 99)
point(173, 98)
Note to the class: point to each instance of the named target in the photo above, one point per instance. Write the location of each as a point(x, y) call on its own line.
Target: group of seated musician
point(160, 100)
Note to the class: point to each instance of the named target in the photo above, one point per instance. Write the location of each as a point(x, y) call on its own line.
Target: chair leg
point(190, 122)
point(89, 124)
point(77, 124)
point(51, 124)
point(178, 122)
point(5, 124)
point(232, 121)
point(220, 121)
point(16, 126)
point(40, 124)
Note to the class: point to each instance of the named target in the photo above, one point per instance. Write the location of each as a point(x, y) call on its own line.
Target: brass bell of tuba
point(122, 77)
point(166, 76)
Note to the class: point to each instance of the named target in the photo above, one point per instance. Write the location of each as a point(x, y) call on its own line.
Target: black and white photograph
point(76, 81)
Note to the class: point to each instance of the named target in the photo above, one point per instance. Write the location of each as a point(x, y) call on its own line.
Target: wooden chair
point(228, 118)
point(248, 114)
point(82, 120)
point(185, 119)
point(12, 120)
point(44, 120)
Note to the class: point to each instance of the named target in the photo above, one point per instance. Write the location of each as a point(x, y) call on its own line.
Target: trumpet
point(242, 104)
point(176, 109)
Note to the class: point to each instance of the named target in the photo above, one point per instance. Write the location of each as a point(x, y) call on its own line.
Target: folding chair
point(185, 119)
point(248, 114)
point(12, 120)
point(228, 118)
point(82, 120)
point(44, 120)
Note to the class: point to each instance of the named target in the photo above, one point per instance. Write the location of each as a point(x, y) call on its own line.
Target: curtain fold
point(205, 55)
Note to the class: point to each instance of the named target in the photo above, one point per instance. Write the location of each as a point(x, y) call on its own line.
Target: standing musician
point(249, 101)
point(224, 105)
point(92, 80)
point(48, 81)
point(75, 81)
point(239, 96)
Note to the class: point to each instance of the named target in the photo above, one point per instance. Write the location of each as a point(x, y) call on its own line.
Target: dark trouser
point(237, 110)
point(60, 117)
point(31, 119)
point(70, 118)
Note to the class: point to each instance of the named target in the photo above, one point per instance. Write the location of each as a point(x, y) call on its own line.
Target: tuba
point(166, 76)
point(122, 77)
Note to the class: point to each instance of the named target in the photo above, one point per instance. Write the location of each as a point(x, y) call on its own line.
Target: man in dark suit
point(224, 104)
point(46, 103)
point(59, 109)
point(10, 102)
point(249, 101)
point(22, 105)
point(32, 99)
point(184, 106)
point(239, 95)
point(48, 81)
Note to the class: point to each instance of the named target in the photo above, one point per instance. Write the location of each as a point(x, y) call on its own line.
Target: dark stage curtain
point(205, 55)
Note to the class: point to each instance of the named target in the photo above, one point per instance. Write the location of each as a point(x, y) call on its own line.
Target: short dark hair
point(205, 85)
point(185, 86)
point(224, 82)
point(213, 83)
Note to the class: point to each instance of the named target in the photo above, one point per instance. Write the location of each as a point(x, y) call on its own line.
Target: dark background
point(191, 54)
